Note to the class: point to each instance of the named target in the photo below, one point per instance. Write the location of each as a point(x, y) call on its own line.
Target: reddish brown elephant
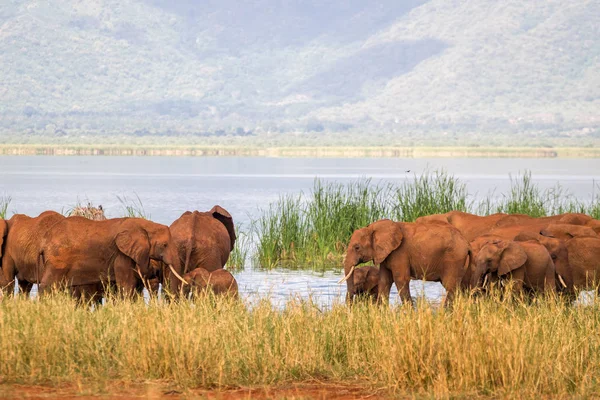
point(366, 282)
point(82, 253)
point(433, 252)
point(469, 225)
point(568, 231)
point(220, 282)
point(528, 264)
point(522, 219)
point(204, 239)
point(23, 236)
point(577, 260)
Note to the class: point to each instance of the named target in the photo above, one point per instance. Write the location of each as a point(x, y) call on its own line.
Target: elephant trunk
point(349, 265)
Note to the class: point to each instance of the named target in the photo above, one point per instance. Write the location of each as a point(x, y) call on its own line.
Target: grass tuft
point(133, 208)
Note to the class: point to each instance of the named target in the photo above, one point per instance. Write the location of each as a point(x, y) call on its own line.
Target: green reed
point(239, 255)
point(133, 207)
point(312, 230)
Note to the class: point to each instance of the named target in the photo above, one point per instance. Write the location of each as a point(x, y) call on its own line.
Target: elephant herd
point(465, 251)
point(462, 251)
point(127, 254)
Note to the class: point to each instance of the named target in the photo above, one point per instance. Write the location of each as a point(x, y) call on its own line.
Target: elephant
point(594, 224)
point(577, 260)
point(220, 281)
point(203, 240)
point(522, 219)
point(568, 231)
point(469, 225)
point(584, 263)
point(366, 282)
point(80, 253)
point(528, 264)
point(23, 236)
point(403, 250)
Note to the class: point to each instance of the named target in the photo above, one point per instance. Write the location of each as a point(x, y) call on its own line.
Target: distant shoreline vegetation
point(295, 151)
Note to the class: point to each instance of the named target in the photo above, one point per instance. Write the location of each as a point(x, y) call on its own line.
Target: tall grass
point(133, 207)
point(311, 230)
point(489, 346)
point(240, 253)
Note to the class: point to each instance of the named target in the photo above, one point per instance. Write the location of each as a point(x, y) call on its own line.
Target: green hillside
point(411, 71)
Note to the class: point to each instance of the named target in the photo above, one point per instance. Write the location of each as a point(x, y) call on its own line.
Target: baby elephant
point(366, 281)
point(220, 281)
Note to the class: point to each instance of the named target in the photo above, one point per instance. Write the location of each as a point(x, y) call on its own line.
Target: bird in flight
point(407, 171)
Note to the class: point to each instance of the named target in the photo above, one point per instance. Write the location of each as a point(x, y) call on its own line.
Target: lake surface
point(168, 186)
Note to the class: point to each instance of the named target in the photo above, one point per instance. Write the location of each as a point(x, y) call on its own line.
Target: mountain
point(405, 69)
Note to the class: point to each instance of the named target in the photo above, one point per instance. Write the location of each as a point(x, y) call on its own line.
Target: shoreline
point(312, 152)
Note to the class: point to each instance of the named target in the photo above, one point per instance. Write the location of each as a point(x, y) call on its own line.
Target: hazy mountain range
point(402, 68)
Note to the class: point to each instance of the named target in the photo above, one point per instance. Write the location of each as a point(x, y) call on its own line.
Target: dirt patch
point(328, 391)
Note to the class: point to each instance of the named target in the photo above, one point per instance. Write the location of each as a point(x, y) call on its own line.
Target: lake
point(168, 186)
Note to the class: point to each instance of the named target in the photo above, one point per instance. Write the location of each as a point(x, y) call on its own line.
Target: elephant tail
point(468, 259)
point(41, 261)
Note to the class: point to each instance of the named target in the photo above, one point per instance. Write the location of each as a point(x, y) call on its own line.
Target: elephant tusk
point(485, 279)
point(562, 282)
point(344, 279)
point(177, 275)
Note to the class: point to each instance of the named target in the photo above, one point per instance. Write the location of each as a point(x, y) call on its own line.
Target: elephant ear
point(513, 257)
point(135, 244)
point(387, 237)
point(3, 233)
point(225, 218)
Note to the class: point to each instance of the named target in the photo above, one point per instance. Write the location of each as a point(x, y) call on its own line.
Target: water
point(168, 186)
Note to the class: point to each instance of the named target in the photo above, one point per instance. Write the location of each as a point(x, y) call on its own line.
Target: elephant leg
point(7, 276)
point(451, 281)
point(385, 284)
point(53, 277)
point(550, 278)
point(402, 281)
point(451, 284)
point(125, 275)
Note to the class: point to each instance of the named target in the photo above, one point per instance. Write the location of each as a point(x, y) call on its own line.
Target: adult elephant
point(204, 239)
point(528, 264)
point(23, 236)
point(433, 252)
point(568, 231)
point(577, 260)
point(82, 253)
point(522, 219)
point(469, 225)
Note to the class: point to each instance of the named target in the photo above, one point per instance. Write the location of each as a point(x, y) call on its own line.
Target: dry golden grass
point(481, 347)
